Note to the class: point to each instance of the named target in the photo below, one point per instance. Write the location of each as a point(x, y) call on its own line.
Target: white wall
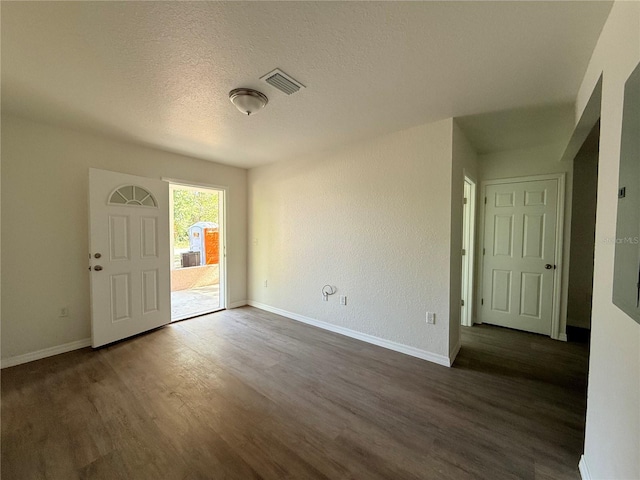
point(612, 443)
point(520, 163)
point(583, 223)
point(45, 225)
point(464, 161)
point(373, 219)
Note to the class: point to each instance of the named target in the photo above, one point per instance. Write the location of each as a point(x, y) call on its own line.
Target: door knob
point(98, 255)
point(548, 266)
point(97, 268)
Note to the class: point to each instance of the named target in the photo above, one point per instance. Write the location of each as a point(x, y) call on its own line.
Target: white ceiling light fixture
point(247, 100)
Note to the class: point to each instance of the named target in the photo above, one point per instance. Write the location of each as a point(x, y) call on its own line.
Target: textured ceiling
point(519, 127)
point(159, 73)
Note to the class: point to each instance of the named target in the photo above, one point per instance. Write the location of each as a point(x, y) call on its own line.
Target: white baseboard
point(454, 354)
point(584, 470)
point(562, 337)
point(238, 304)
point(381, 342)
point(47, 352)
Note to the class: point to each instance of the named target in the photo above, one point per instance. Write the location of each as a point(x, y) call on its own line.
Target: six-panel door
point(129, 250)
point(519, 255)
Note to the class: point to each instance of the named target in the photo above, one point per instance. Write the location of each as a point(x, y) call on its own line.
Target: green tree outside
point(190, 207)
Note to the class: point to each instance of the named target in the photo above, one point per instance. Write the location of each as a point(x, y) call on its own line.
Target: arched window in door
point(132, 195)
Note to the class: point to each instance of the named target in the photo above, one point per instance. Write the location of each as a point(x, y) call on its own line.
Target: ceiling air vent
point(283, 82)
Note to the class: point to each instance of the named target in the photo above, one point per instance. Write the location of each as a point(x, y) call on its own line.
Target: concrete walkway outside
point(193, 302)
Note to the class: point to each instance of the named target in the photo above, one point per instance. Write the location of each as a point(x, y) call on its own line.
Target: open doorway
point(468, 249)
point(197, 247)
point(583, 234)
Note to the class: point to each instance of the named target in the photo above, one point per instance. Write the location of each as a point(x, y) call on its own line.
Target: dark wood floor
point(245, 394)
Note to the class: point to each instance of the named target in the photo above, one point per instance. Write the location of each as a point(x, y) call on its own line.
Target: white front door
point(129, 250)
point(519, 266)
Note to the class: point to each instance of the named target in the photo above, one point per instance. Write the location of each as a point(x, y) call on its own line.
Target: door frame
point(556, 323)
point(222, 221)
point(468, 260)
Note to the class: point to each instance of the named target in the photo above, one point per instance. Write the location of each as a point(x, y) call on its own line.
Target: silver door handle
point(97, 268)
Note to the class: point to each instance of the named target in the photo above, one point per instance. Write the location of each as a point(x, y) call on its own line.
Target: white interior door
point(130, 259)
point(519, 266)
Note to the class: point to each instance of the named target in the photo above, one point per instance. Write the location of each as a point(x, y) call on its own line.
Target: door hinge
point(464, 252)
point(464, 201)
point(485, 200)
point(483, 251)
point(462, 302)
point(482, 302)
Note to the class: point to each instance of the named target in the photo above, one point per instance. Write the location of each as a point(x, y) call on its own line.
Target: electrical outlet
point(265, 284)
point(64, 312)
point(343, 299)
point(431, 318)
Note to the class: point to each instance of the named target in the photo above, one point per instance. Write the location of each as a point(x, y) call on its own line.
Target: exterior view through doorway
point(197, 250)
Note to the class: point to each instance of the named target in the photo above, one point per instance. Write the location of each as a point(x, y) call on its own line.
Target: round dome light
point(247, 100)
